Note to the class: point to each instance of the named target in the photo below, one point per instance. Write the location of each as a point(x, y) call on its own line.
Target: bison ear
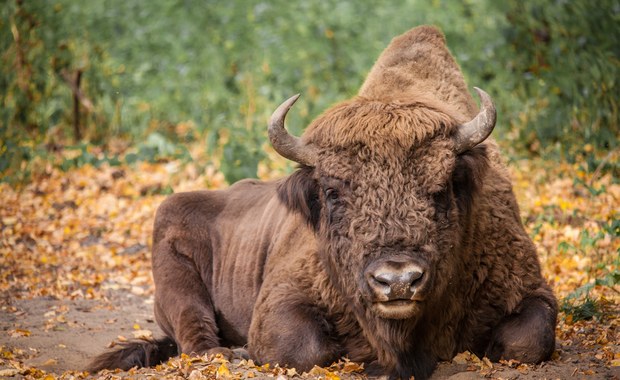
point(300, 193)
point(468, 175)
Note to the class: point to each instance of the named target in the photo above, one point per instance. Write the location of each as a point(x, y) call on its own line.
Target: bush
point(153, 67)
point(564, 58)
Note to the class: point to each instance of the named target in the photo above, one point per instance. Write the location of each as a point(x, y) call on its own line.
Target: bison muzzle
point(396, 285)
point(397, 242)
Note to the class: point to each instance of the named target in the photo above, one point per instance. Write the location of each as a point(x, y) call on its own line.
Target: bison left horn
point(289, 146)
point(479, 128)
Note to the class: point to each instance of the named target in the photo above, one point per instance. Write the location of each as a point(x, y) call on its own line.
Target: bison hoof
point(241, 353)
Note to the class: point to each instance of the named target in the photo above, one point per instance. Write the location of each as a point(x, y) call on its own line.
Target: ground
point(46, 336)
point(75, 272)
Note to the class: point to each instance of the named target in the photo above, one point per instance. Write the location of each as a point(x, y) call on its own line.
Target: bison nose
point(395, 283)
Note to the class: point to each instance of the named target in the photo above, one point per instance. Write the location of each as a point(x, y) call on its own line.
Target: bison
point(397, 242)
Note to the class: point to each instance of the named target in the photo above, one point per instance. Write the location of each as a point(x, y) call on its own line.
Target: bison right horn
point(289, 146)
point(479, 128)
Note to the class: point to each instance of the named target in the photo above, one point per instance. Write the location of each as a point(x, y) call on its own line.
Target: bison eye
point(331, 194)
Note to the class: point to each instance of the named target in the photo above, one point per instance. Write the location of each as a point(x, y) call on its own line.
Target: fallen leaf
point(486, 363)
point(19, 333)
point(50, 362)
point(196, 375)
point(223, 371)
point(9, 220)
point(462, 358)
point(331, 376)
point(290, 372)
point(142, 334)
point(9, 372)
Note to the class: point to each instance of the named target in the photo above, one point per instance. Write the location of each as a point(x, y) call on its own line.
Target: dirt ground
point(46, 336)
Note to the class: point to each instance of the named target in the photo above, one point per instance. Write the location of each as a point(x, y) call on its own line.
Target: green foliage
point(581, 311)
point(564, 58)
point(45, 47)
point(155, 148)
point(81, 155)
point(580, 306)
point(148, 67)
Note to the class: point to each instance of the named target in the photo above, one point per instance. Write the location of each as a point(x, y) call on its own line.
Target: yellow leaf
point(223, 371)
point(20, 332)
point(331, 376)
point(136, 326)
point(143, 334)
point(6, 354)
point(264, 367)
point(564, 204)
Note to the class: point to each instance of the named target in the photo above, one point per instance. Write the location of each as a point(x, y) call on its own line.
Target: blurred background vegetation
point(120, 81)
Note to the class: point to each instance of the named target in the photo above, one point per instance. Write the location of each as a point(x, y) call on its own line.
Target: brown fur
point(279, 266)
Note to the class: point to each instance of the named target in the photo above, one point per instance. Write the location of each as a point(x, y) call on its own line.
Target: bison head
point(388, 187)
point(387, 178)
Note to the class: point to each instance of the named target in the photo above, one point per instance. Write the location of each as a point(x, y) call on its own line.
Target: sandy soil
point(65, 335)
point(58, 336)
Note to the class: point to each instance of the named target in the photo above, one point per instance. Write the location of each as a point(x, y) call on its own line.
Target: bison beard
point(396, 243)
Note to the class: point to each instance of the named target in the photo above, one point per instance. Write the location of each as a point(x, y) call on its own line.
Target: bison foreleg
point(528, 334)
point(293, 334)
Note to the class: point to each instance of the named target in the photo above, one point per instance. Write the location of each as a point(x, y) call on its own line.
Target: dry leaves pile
point(209, 367)
point(82, 233)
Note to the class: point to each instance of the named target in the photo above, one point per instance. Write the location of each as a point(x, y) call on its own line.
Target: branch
point(76, 90)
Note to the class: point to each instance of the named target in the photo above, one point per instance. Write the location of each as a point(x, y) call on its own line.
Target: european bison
point(397, 242)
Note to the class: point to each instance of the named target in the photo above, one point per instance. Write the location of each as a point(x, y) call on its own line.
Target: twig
point(76, 90)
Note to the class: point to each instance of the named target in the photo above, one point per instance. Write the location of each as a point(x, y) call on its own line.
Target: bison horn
point(289, 146)
point(479, 128)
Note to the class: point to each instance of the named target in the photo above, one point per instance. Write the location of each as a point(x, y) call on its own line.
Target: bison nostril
point(384, 278)
point(414, 279)
point(381, 283)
